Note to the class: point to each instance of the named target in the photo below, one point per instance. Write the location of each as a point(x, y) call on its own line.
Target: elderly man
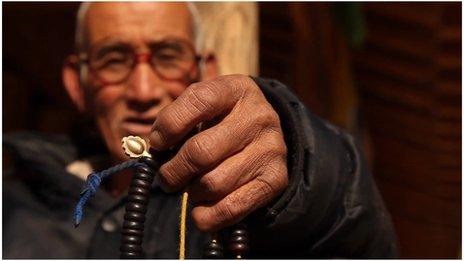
point(140, 70)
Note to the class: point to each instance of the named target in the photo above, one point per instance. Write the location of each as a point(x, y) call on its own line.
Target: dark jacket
point(331, 207)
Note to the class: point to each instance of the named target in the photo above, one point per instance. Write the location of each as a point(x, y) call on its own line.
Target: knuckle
point(197, 101)
point(210, 184)
point(278, 175)
point(273, 145)
point(202, 97)
point(264, 159)
point(267, 188)
point(236, 85)
point(270, 156)
point(275, 178)
point(200, 151)
point(274, 117)
point(278, 146)
point(169, 123)
point(251, 85)
point(169, 177)
point(187, 161)
point(226, 212)
point(176, 121)
point(266, 118)
point(243, 81)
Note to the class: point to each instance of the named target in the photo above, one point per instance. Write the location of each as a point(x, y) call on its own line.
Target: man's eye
point(113, 59)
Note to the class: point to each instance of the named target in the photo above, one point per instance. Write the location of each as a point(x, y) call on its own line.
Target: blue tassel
point(93, 182)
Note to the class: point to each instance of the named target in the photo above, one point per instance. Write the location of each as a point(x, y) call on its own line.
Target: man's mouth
point(138, 126)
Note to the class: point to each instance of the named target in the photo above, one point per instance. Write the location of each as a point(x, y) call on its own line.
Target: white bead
point(135, 146)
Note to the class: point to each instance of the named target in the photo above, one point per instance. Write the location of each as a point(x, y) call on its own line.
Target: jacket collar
point(39, 161)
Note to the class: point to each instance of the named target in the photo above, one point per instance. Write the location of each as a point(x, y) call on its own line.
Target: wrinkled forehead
point(138, 22)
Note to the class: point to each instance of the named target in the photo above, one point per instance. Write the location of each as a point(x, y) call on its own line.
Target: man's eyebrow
point(108, 41)
point(165, 44)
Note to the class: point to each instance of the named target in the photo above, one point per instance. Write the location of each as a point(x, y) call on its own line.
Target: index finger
point(200, 102)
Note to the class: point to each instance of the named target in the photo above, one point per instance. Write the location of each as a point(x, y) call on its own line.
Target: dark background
point(389, 73)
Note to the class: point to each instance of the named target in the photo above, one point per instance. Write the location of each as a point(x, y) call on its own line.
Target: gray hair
point(80, 37)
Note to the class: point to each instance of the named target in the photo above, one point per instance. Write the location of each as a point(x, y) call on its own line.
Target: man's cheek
point(108, 98)
point(110, 110)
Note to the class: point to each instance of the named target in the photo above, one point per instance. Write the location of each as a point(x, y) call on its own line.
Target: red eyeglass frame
point(77, 60)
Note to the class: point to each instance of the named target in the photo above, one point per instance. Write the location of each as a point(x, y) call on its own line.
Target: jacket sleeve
point(332, 207)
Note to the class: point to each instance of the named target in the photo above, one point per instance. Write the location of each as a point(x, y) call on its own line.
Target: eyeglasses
point(170, 59)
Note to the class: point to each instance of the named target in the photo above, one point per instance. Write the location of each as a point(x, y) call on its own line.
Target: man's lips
point(138, 126)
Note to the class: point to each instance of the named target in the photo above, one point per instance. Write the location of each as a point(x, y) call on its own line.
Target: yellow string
point(183, 219)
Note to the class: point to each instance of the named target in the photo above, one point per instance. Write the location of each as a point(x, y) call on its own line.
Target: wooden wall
point(36, 39)
point(302, 46)
point(400, 94)
point(409, 75)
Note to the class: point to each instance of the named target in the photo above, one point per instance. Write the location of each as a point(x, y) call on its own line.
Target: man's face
point(129, 107)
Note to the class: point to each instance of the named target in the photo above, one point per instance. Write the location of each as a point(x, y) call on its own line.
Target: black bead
point(132, 225)
point(214, 245)
point(137, 198)
point(131, 255)
point(132, 240)
point(134, 216)
point(141, 183)
point(144, 169)
point(132, 232)
point(144, 176)
point(136, 207)
point(239, 232)
point(212, 254)
point(131, 248)
point(140, 191)
point(238, 249)
point(238, 241)
point(150, 162)
point(213, 249)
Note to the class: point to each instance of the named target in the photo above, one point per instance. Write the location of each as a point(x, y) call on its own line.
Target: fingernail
point(155, 139)
point(153, 127)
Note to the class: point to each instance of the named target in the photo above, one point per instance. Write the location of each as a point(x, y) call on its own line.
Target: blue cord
point(93, 182)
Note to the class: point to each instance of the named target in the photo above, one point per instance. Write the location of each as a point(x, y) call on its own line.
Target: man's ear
point(210, 67)
point(72, 82)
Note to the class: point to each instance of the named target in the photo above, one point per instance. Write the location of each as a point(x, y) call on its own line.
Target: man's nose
point(144, 85)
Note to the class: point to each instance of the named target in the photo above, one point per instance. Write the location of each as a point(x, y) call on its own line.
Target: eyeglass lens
point(171, 60)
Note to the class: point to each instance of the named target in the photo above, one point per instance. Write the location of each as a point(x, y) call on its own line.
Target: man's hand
point(233, 167)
